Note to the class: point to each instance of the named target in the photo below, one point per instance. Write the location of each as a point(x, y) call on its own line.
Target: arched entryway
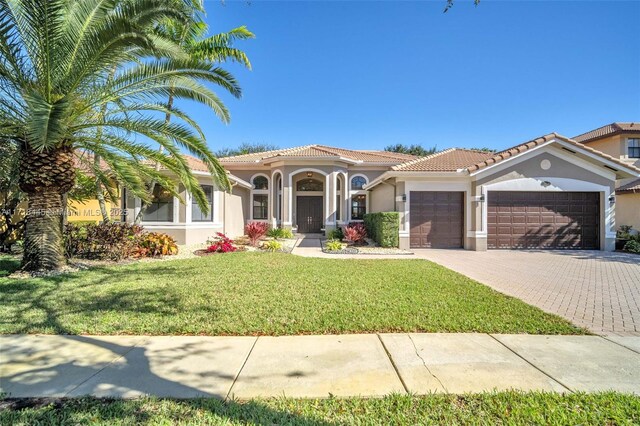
point(309, 205)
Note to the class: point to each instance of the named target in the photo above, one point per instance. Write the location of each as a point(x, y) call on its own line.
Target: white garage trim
point(461, 186)
point(607, 218)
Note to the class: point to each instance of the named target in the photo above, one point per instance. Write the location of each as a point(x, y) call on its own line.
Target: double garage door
point(529, 220)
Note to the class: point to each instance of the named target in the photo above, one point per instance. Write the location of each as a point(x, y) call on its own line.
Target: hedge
point(383, 228)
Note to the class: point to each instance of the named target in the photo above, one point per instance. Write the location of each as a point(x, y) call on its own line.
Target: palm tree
point(191, 36)
point(55, 61)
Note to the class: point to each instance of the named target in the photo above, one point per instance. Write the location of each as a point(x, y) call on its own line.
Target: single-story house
point(550, 192)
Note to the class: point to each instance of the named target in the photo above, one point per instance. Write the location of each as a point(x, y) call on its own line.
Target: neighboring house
point(551, 192)
point(622, 141)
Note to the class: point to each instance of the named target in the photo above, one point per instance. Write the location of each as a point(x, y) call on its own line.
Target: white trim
point(463, 186)
point(522, 156)
point(507, 162)
point(291, 188)
point(277, 206)
point(366, 181)
point(193, 225)
point(599, 158)
point(255, 191)
point(188, 211)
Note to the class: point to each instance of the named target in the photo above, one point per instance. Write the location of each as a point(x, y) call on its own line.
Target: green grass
point(272, 294)
point(514, 408)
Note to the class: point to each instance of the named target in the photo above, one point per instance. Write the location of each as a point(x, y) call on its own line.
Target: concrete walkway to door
point(593, 289)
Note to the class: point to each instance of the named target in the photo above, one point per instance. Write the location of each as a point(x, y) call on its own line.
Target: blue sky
point(364, 75)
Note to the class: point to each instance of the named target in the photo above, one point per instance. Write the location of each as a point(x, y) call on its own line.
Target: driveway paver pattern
point(593, 289)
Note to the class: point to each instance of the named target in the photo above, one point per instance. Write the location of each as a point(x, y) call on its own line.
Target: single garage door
point(436, 219)
point(547, 220)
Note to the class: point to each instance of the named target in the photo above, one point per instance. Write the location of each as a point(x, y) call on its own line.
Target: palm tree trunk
point(100, 194)
point(152, 186)
point(43, 248)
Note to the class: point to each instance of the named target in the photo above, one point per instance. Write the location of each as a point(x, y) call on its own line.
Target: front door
point(309, 214)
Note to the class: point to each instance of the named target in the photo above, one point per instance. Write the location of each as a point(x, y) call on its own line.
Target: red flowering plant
point(221, 244)
point(255, 231)
point(355, 233)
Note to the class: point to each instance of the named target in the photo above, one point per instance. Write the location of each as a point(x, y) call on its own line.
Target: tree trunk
point(100, 195)
point(43, 245)
point(45, 176)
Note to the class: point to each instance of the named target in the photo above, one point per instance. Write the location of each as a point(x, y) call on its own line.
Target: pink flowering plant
point(355, 233)
point(221, 244)
point(255, 231)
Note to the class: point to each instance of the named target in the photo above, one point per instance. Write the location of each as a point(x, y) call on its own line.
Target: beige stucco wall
point(613, 145)
point(382, 198)
point(628, 210)
point(236, 211)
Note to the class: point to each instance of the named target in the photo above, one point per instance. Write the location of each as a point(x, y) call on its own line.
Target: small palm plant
point(86, 78)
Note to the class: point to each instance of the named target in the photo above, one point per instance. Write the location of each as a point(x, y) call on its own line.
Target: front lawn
point(258, 293)
point(514, 408)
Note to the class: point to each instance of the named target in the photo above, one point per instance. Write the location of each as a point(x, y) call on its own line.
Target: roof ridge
point(419, 159)
point(376, 152)
point(525, 146)
point(254, 153)
point(323, 148)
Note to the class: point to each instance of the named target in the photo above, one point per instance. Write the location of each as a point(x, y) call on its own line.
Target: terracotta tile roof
point(608, 130)
point(196, 164)
point(496, 158)
point(454, 159)
point(322, 151)
point(630, 188)
point(449, 160)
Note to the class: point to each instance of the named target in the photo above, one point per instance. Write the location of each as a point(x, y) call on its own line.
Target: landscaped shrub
point(108, 241)
point(286, 233)
point(632, 246)
point(221, 244)
point(355, 233)
point(278, 233)
point(333, 245)
point(335, 234)
point(383, 228)
point(255, 231)
point(152, 244)
point(272, 245)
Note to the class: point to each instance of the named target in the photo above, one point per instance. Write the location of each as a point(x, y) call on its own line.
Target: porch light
point(612, 199)
point(404, 198)
point(481, 198)
point(309, 174)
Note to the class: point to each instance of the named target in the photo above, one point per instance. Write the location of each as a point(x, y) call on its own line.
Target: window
point(358, 182)
point(260, 203)
point(309, 185)
point(338, 207)
point(358, 207)
point(197, 215)
point(634, 148)
point(260, 182)
point(161, 207)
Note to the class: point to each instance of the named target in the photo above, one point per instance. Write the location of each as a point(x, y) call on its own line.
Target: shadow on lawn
point(55, 373)
point(39, 304)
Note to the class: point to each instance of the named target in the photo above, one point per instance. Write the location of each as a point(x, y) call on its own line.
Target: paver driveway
point(593, 289)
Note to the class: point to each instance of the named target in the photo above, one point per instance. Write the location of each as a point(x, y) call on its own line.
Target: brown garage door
point(550, 220)
point(436, 219)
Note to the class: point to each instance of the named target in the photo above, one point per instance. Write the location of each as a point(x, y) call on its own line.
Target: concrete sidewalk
point(313, 366)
